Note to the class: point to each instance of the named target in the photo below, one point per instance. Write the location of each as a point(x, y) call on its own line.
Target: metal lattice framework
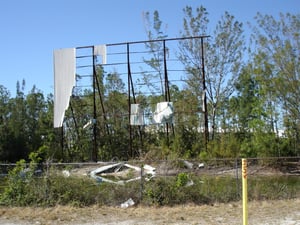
point(155, 60)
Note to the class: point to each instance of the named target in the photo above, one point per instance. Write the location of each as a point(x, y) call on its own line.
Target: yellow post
point(245, 193)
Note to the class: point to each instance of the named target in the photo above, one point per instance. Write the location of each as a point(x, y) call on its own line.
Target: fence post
point(237, 178)
point(245, 194)
point(142, 185)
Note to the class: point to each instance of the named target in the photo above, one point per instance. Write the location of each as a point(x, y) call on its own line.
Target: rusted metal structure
point(89, 60)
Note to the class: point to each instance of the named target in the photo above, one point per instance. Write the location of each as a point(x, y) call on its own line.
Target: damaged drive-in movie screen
point(150, 112)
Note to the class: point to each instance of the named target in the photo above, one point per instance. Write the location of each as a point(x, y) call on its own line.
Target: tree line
point(250, 96)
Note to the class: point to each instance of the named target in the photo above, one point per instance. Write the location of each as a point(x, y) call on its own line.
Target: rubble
point(121, 173)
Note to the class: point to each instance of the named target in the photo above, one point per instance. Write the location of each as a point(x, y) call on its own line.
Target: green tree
point(116, 102)
point(247, 107)
point(278, 41)
point(154, 31)
point(187, 142)
point(5, 132)
point(23, 119)
point(35, 111)
point(190, 50)
point(223, 59)
point(18, 148)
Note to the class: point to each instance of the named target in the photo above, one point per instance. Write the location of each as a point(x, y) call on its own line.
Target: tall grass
point(54, 189)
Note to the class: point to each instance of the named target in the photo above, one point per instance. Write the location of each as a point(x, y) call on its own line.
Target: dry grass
point(260, 212)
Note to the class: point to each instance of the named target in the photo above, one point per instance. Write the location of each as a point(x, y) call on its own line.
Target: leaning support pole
point(245, 193)
point(94, 155)
point(167, 91)
point(129, 100)
point(205, 111)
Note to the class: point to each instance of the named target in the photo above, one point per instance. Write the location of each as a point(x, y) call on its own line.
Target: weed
point(24, 188)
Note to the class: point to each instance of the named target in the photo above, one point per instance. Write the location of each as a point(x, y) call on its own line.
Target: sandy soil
point(281, 212)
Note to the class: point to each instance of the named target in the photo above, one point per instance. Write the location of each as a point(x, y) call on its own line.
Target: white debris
point(66, 173)
point(189, 183)
point(121, 173)
point(149, 170)
point(128, 203)
point(201, 165)
point(188, 164)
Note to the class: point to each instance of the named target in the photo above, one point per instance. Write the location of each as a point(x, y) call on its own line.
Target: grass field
point(281, 212)
point(212, 186)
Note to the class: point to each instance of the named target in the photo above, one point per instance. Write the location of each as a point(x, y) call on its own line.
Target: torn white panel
point(64, 81)
point(164, 112)
point(100, 50)
point(136, 115)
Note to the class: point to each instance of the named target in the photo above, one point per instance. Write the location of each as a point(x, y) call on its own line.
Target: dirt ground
point(281, 212)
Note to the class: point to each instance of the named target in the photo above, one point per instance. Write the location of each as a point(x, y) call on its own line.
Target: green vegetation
point(50, 189)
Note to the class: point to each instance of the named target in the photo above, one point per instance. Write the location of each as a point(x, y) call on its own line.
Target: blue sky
point(32, 29)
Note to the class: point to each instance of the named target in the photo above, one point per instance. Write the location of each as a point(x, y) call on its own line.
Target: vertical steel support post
point(94, 152)
point(62, 142)
point(206, 132)
point(237, 176)
point(167, 91)
point(129, 100)
point(75, 122)
point(102, 104)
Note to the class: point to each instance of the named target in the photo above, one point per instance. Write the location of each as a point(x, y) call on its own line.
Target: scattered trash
point(149, 169)
point(128, 203)
point(189, 183)
point(149, 172)
point(121, 173)
point(201, 165)
point(189, 165)
point(66, 173)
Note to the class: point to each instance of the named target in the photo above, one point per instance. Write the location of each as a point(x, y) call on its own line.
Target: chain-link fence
point(165, 182)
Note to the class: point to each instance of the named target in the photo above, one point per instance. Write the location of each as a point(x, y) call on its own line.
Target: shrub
point(16, 184)
point(24, 188)
point(182, 179)
point(159, 191)
point(272, 188)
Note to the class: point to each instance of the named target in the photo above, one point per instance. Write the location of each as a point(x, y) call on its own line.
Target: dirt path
point(281, 212)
